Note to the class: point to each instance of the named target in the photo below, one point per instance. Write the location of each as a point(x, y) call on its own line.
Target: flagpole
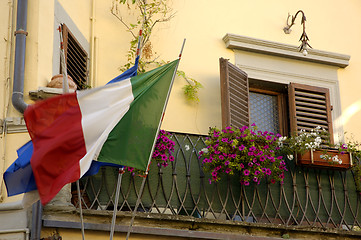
point(121, 170)
point(155, 139)
point(63, 64)
point(80, 210)
point(66, 90)
point(112, 226)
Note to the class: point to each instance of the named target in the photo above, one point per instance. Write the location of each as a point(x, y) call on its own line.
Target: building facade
point(247, 36)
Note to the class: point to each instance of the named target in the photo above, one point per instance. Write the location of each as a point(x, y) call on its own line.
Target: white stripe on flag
point(101, 109)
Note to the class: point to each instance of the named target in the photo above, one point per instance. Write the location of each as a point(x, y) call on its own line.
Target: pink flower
point(252, 149)
point(246, 172)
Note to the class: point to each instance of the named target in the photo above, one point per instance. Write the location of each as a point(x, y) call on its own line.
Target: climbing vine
point(149, 13)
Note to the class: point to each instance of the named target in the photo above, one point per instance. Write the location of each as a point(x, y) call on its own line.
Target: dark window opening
point(76, 59)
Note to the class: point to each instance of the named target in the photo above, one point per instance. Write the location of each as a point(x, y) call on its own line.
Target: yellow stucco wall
point(330, 26)
point(67, 234)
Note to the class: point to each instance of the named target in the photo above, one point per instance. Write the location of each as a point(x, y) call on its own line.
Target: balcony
point(310, 198)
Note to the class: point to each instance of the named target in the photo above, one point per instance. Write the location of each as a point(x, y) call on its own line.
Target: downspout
point(19, 64)
point(18, 92)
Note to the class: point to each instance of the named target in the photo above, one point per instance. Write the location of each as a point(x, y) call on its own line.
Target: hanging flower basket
point(326, 158)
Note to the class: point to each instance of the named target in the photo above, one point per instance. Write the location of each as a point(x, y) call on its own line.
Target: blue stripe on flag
point(131, 72)
point(19, 177)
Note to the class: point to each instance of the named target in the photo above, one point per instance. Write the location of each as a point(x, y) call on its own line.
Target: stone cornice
point(239, 42)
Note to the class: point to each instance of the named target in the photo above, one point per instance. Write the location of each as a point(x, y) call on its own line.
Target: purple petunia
point(252, 149)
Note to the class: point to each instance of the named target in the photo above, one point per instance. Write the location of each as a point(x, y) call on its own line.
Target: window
point(282, 69)
point(76, 59)
point(275, 107)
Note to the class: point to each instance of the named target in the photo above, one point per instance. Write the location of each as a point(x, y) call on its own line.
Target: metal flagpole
point(80, 210)
point(121, 170)
point(63, 63)
point(66, 90)
point(155, 139)
point(112, 226)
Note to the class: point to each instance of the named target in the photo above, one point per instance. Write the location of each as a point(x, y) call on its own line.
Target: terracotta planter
point(313, 159)
point(57, 82)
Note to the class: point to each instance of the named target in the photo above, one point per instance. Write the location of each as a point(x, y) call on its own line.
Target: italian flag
point(116, 123)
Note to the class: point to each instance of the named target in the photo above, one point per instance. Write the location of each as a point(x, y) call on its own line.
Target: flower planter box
point(313, 159)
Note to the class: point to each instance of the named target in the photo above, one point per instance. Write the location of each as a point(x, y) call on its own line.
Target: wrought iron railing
point(308, 197)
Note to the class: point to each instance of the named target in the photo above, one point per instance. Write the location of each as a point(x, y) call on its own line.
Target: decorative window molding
point(60, 17)
point(239, 42)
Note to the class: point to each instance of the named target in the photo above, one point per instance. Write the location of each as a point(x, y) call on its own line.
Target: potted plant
point(246, 151)
point(313, 149)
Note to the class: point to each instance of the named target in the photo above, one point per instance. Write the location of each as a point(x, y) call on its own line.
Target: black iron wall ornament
point(304, 38)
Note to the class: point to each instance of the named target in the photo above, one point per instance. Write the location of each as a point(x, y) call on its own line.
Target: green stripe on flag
point(131, 141)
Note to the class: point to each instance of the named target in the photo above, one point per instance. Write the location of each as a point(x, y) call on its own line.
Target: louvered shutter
point(309, 107)
point(234, 95)
point(76, 58)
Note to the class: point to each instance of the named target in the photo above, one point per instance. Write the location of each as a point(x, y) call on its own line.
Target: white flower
point(290, 157)
point(205, 150)
point(336, 159)
point(281, 139)
point(186, 147)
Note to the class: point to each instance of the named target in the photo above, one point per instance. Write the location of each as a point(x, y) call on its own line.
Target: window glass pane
point(264, 112)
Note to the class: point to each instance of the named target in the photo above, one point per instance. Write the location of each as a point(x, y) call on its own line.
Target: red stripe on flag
point(56, 131)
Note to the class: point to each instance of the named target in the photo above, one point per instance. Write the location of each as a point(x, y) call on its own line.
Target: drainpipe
point(19, 64)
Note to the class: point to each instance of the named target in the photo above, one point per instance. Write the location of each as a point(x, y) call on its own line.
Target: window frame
point(282, 105)
point(292, 116)
point(283, 63)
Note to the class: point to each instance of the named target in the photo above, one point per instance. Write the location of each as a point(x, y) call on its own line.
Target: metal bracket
point(14, 125)
point(21, 32)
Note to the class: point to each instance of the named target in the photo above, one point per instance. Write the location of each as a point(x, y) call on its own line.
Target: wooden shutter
point(76, 58)
point(234, 95)
point(309, 107)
